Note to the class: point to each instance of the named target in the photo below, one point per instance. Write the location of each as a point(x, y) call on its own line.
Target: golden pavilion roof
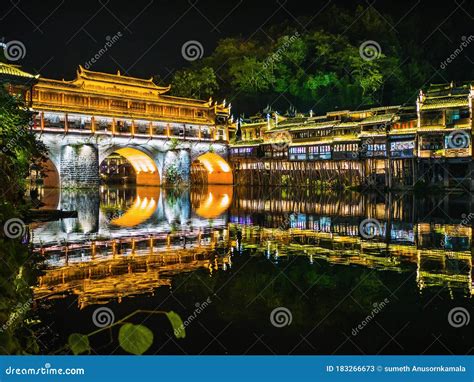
point(12, 72)
point(87, 81)
point(119, 79)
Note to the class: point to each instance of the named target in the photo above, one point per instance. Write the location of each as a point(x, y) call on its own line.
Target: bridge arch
point(211, 168)
point(142, 161)
point(51, 177)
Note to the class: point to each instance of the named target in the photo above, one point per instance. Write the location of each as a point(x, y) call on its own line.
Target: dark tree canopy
point(314, 65)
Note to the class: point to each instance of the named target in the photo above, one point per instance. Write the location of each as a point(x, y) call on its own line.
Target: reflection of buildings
point(115, 169)
point(330, 226)
point(104, 271)
point(399, 250)
point(107, 270)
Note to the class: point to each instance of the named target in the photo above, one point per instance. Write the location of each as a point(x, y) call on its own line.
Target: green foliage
point(19, 147)
point(320, 68)
point(173, 175)
point(135, 339)
point(177, 324)
point(18, 272)
point(251, 76)
point(174, 143)
point(79, 343)
point(199, 83)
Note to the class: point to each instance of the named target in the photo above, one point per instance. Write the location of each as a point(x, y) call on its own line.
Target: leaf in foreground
point(177, 324)
point(135, 339)
point(79, 343)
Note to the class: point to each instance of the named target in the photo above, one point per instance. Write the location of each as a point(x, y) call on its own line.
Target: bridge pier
point(79, 166)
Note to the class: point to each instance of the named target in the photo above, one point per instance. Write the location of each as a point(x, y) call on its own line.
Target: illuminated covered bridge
point(121, 128)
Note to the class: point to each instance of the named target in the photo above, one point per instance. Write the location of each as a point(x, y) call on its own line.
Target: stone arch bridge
point(74, 159)
point(83, 120)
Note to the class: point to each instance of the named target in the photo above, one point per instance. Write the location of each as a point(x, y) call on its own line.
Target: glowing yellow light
point(139, 160)
point(213, 161)
point(208, 165)
point(142, 208)
point(215, 202)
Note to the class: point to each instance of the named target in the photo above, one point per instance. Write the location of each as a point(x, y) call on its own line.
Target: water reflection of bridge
point(102, 271)
point(117, 212)
point(132, 260)
point(111, 270)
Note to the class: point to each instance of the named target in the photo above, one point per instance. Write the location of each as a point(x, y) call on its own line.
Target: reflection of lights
point(224, 201)
point(140, 211)
point(215, 202)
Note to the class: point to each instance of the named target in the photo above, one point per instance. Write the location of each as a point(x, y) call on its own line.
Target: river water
point(258, 271)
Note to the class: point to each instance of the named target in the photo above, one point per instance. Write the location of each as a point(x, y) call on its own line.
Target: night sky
point(59, 35)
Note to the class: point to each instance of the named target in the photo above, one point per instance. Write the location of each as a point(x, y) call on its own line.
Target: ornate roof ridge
point(119, 79)
point(14, 70)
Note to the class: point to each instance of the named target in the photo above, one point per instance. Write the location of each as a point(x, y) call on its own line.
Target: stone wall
point(79, 166)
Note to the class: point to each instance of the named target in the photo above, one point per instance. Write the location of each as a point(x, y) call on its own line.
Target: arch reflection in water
point(213, 201)
point(145, 204)
point(117, 212)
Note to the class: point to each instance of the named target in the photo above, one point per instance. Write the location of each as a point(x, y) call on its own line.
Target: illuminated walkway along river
point(248, 252)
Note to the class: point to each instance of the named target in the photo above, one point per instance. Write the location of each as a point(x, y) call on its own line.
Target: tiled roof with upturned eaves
point(13, 71)
point(381, 118)
point(442, 102)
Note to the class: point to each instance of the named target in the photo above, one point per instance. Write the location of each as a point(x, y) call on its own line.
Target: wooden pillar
point(66, 125)
point(42, 120)
point(93, 124)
